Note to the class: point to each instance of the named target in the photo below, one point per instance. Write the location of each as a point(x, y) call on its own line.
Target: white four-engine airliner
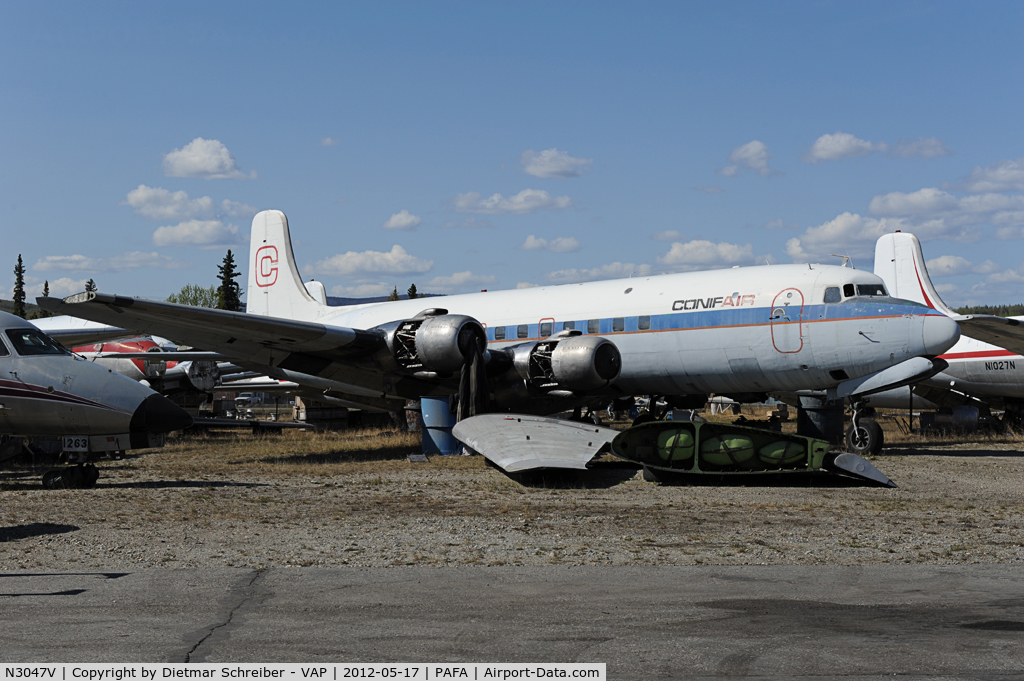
point(545, 349)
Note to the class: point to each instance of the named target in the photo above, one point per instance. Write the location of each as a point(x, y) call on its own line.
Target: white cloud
point(526, 284)
point(700, 254)
point(156, 203)
point(205, 233)
point(848, 233)
point(117, 263)
point(922, 147)
point(752, 155)
point(328, 142)
point(395, 261)
point(459, 280)
point(59, 288)
point(924, 201)
point(710, 190)
point(403, 220)
point(203, 158)
point(562, 244)
point(553, 163)
point(952, 265)
point(1009, 233)
point(614, 270)
point(667, 235)
point(526, 201)
point(838, 146)
point(1001, 176)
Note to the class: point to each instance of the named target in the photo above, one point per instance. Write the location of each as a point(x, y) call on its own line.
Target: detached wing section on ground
point(282, 348)
point(1003, 332)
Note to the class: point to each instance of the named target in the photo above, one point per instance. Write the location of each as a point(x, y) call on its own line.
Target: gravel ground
point(956, 504)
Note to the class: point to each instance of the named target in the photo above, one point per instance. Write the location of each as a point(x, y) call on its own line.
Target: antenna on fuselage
point(847, 259)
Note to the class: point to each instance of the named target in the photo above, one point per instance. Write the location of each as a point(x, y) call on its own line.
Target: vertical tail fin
point(899, 261)
point(275, 285)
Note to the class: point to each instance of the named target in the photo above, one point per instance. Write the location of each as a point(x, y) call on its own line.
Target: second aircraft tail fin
point(899, 261)
point(275, 285)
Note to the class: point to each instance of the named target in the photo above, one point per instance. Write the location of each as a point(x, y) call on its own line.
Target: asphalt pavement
point(664, 622)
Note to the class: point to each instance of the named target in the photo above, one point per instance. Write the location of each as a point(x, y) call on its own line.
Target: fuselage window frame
point(643, 322)
point(523, 331)
point(832, 295)
point(618, 324)
point(593, 326)
point(499, 333)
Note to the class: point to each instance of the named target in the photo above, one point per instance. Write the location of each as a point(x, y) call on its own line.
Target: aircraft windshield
point(33, 342)
point(871, 290)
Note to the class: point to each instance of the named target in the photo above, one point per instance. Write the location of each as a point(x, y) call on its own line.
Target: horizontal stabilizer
point(71, 331)
point(517, 442)
point(1003, 332)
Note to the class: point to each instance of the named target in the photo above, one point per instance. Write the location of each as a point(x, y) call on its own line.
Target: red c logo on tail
point(266, 270)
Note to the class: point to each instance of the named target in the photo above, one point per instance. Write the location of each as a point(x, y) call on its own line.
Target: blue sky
point(464, 146)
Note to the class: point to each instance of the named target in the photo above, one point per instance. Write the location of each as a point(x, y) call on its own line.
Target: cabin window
point(594, 326)
point(848, 290)
point(545, 329)
point(499, 333)
point(832, 294)
point(33, 342)
point(870, 290)
point(619, 324)
point(643, 323)
point(523, 330)
point(568, 326)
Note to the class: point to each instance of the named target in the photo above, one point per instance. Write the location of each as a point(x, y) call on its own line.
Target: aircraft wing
point(303, 347)
point(71, 331)
point(1004, 332)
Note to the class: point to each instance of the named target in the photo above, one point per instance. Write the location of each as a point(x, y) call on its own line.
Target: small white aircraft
point(541, 350)
point(46, 391)
point(985, 366)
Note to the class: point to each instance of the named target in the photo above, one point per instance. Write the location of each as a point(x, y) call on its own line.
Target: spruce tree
point(228, 293)
point(90, 286)
point(19, 288)
point(393, 295)
point(413, 293)
point(43, 314)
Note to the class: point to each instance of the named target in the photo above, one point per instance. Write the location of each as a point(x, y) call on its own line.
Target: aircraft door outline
point(787, 321)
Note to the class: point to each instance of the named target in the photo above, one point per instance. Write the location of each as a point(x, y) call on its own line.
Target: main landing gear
point(864, 436)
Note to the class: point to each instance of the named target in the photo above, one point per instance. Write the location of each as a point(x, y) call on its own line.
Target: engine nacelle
point(571, 362)
point(437, 343)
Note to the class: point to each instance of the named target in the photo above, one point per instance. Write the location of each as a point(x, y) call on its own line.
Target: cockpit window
point(832, 294)
point(33, 342)
point(4, 352)
point(871, 290)
point(848, 291)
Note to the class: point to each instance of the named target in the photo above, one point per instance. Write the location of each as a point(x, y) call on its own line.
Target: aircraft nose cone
point(157, 414)
point(940, 334)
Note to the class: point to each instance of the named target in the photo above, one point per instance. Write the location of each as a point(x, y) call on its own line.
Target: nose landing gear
point(864, 436)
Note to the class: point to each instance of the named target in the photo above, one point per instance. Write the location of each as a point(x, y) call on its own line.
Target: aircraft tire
point(646, 417)
point(650, 476)
point(868, 439)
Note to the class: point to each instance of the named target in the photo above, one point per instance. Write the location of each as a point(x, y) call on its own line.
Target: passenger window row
point(546, 328)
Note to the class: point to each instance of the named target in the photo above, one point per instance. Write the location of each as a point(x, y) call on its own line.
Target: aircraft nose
point(940, 334)
point(157, 414)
